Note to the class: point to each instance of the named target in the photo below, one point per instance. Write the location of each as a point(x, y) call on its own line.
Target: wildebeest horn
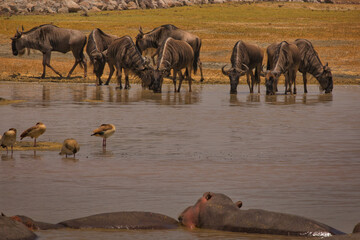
point(247, 68)
point(22, 28)
point(141, 31)
point(225, 72)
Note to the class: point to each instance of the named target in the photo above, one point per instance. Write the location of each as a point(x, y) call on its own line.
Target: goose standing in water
point(104, 131)
point(34, 132)
point(8, 139)
point(70, 146)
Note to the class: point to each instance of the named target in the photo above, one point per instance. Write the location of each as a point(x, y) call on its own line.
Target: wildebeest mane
point(239, 55)
point(281, 56)
point(37, 27)
point(309, 57)
point(131, 56)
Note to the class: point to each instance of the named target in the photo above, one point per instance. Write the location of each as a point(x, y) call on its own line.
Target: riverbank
point(333, 29)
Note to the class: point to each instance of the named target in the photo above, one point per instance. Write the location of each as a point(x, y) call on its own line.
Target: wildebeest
point(310, 63)
point(98, 42)
point(245, 57)
point(285, 60)
point(47, 38)
point(156, 37)
point(174, 54)
point(123, 54)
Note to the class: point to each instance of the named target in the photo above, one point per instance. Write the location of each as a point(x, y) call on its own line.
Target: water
point(293, 154)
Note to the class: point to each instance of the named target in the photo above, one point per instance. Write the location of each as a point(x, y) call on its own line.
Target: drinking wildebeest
point(174, 54)
point(47, 38)
point(286, 60)
point(310, 63)
point(123, 54)
point(245, 57)
point(98, 42)
point(156, 37)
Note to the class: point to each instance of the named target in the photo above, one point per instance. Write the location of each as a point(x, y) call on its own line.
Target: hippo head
point(206, 208)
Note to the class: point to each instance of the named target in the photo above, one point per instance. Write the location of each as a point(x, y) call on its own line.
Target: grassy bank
point(334, 30)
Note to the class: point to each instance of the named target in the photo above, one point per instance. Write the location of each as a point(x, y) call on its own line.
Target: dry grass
point(334, 30)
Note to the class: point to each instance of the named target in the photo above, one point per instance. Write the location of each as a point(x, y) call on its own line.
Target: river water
point(293, 154)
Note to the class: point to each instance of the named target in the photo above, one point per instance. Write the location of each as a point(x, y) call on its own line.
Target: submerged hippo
point(116, 220)
point(219, 212)
point(13, 230)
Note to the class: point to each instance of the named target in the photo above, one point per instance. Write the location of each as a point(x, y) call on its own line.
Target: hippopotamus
point(114, 220)
point(217, 211)
point(123, 220)
point(355, 235)
point(13, 230)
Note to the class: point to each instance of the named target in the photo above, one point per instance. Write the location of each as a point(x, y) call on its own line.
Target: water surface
point(293, 154)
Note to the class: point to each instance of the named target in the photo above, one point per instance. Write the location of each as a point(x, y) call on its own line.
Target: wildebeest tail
point(268, 64)
point(196, 54)
point(82, 56)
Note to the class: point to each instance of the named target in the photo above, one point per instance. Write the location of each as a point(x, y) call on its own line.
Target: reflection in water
point(288, 99)
point(79, 92)
point(30, 155)
point(45, 95)
point(98, 93)
point(7, 157)
point(253, 97)
point(69, 159)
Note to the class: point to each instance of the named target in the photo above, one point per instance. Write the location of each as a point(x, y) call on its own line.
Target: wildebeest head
point(158, 79)
point(234, 75)
point(326, 80)
point(16, 43)
point(147, 77)
point(98, 59)
point(271, 82)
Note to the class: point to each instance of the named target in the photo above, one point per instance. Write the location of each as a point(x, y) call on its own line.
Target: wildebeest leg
point(305, 82)
point(252, 80)
point(174, 78)
point(127, 84)
point(257, 76)
point(72, 69)
point(248, 81)
point(181, 78)
point(118, 73)
point(289, 82)
point(293, 79)
point(46, 62)
point(201, 72)
point(112, 69)
point(189, 69)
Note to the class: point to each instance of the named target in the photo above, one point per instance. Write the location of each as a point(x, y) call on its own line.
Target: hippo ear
point(207, 195)
point(238, 204)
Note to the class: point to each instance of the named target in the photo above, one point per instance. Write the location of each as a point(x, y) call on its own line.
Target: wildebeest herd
point(176, 50)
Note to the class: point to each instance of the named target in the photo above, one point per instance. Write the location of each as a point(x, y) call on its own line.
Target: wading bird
point(9, 139)
point(34, 132)
point(70, 146)
point(104, 131)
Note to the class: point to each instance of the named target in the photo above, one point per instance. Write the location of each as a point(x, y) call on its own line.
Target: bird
point(34, 132)
point(8, 139)
point(104, 131)
point(70, 146)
